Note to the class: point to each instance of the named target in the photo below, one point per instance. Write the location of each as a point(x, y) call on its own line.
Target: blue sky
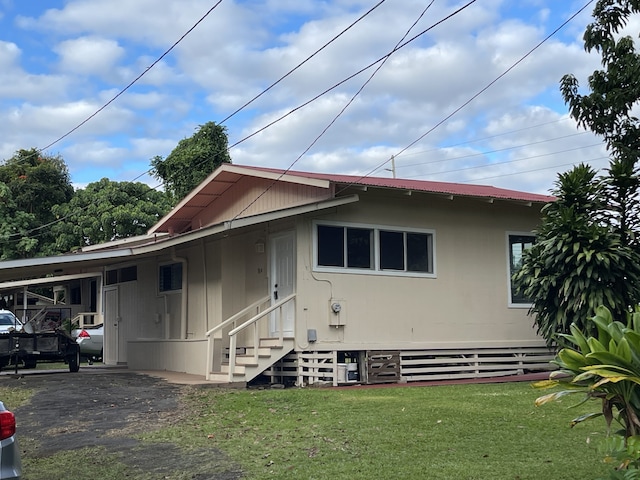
point(62, 60)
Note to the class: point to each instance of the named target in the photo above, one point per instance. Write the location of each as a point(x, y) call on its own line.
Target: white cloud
point(89, 55)
point(242, 47)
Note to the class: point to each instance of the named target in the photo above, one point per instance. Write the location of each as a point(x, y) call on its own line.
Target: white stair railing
point(216, 332)
point(253, 322)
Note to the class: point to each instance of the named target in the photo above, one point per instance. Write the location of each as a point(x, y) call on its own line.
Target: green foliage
point(192, 160)
point(106, 211)
point(15, 225)
point(35, 183)
point(589, 248)
point(623, 455)
point(605, 366)
point(580, 260)
point(608, 109)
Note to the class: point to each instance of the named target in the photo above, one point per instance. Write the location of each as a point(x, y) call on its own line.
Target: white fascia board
point(47, 280)
point(59, 259)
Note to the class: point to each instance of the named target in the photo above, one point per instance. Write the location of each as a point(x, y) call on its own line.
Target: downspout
point(183, 300)
point(206, 286)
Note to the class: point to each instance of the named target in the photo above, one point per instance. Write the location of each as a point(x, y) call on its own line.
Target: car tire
point(74, 361)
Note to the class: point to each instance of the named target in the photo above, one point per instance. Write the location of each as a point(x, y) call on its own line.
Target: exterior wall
point(465, 305)
point(158, 343)
point(250, 197)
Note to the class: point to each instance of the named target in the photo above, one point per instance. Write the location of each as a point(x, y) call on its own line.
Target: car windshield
point(7, 319)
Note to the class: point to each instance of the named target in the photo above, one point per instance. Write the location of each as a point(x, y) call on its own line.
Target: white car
point(9, 322)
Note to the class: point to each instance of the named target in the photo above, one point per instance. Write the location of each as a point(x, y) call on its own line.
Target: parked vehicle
point(9, 322)
point(10, 462)
point(90, 339)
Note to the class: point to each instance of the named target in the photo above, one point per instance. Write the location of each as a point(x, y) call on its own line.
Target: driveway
point(108, 408)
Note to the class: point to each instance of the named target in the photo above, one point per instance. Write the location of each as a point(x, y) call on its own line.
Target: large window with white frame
point(518, 243)
point(357, 248)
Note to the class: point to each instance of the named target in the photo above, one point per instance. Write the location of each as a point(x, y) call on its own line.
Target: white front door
point(282, 282)
point(111, 327)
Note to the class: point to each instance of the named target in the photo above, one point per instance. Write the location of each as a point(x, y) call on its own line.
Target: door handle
point(275, 292)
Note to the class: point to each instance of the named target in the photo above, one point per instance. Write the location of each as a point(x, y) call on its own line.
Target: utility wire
point(364, 69)
point(476, 95)
point(488, 165)
point(224, 120)
point(490, 137)
point(121, 92)
point(245, 105)
point(113, 99)
point(534, 170)
point(335, 118)
point(497, 150)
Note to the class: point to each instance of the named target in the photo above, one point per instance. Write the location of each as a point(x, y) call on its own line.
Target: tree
point(36, 183)
point(106, 211)
point(15, 228)
point(192, 160)
point(579, 261)
point(607, 110)
point(588, 253)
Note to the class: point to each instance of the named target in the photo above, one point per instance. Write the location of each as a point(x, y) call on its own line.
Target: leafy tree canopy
point(35, 182)
point(588, 253)
point(106, 211)
point(192, 160)
point(579, 262)
point(15, 228)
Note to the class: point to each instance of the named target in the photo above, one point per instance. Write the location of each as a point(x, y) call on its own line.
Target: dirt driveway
point(107, 408)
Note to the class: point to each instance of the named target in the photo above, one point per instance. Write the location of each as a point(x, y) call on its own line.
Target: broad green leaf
point(572, 360)
point(579, 339)
point(585, 417)
point(596, 346)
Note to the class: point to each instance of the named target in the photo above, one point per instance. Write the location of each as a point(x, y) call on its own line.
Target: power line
point(480, 92)
point(301, 63)
point(335, 118)
point(121, 92)
point(487, 165)
point(498, 150)
point(534, 170)
point(490, 137)
point(134, 80)
point(364, 69)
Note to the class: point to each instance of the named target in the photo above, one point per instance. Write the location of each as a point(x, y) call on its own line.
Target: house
point(308, 277)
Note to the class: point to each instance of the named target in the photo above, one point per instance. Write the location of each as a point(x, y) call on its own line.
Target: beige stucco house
point(306, 277)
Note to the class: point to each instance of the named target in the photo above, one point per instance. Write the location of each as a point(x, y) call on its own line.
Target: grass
point(462, 432)
point(446, 432)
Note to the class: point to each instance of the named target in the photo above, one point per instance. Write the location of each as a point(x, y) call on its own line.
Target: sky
point(427, 106)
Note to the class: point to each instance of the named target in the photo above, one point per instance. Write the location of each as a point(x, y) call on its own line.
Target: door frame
point(289, 310)
point(111, 328)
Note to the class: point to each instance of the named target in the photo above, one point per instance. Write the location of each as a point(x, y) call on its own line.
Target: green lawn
point(457, 432)
point(462, 432)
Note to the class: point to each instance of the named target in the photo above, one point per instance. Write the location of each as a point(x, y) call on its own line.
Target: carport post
point(25, 304)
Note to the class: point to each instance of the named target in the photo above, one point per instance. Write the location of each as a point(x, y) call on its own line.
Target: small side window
point(170, 277)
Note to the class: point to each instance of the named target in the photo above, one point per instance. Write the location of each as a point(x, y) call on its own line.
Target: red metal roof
point(459, 189)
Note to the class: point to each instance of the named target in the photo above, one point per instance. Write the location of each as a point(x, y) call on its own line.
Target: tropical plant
point(579, 261)
point(605, 367)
